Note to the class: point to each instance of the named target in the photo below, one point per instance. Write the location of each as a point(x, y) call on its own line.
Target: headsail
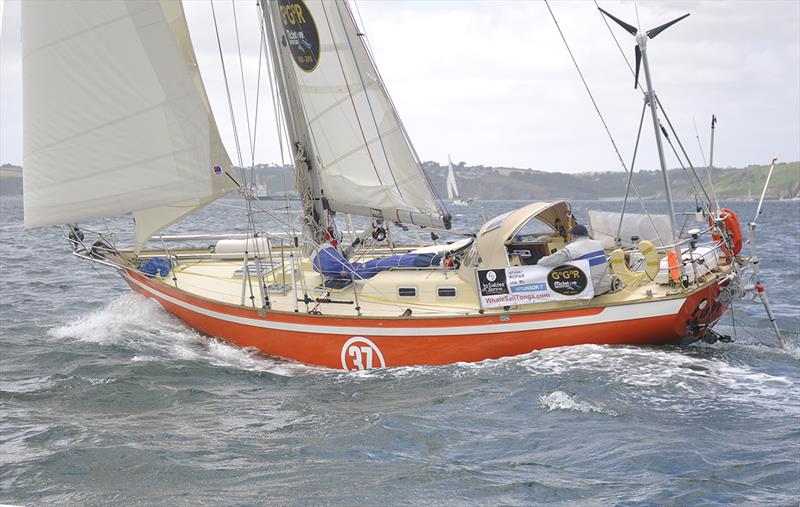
point(115, 115)
point(343, 116)
point(452, 188)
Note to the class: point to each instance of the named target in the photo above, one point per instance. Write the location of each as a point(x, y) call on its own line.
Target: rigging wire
point(247, 192)
point(241, 72)
point(366, 98)
point(699, 144)
point(686, 155)
point(658, 101)
point(600, 114)
point(368, 49)
point(586, 85)
point(276, 104)
point(228, 93)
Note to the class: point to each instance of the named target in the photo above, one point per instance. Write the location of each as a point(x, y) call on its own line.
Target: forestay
point(365, 162)
point(115, 115)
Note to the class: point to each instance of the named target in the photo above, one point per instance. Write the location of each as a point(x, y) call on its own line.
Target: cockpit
point(522, 236)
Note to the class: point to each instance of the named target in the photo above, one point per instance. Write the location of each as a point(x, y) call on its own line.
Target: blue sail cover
point(330, 263)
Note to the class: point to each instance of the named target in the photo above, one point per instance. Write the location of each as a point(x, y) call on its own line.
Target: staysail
point(343, 117)
point(452, 188)
point(115, 115)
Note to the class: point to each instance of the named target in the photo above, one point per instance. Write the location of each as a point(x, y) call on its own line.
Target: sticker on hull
point(359, 353)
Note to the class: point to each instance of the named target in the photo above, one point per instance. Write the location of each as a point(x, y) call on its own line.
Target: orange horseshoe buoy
point(731, 223)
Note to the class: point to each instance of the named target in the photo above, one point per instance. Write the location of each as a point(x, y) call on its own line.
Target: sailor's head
point(579, 231)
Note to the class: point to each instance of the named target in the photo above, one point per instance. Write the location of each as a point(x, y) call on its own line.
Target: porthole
point(447, 292)
point(407, 292)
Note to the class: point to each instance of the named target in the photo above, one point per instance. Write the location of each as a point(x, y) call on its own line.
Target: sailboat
point(452, 187)
point(117, 120)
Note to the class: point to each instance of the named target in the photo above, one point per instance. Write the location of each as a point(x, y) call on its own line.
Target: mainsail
point(341, 119)
point(115, 115)
point(452, 188)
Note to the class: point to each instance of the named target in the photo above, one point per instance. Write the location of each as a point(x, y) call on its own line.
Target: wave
point(560, 400)
point(141, 325)
point(684, 379)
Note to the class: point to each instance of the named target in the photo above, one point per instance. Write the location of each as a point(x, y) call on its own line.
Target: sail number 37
point(359, 353)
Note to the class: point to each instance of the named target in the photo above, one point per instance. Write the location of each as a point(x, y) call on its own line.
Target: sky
point(491, 83)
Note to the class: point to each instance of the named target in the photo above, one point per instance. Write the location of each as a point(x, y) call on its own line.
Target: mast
point(711, 162)
point(306, 175)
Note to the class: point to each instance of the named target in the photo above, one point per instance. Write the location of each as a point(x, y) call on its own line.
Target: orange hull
point(364, 342)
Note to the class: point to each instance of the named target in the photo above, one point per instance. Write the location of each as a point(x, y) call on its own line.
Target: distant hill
point(481, 182)
point(503, 183)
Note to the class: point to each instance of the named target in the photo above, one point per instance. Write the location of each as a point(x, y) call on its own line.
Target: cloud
point(491, 83)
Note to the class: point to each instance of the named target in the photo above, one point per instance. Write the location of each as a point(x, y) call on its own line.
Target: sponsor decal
point(301, 33)
point(567, 280)
point(492, 282)
point(521, 285)
point(217, 170)
point(359, 353)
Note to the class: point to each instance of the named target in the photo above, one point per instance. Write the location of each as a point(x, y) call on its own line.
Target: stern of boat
point(701, 311)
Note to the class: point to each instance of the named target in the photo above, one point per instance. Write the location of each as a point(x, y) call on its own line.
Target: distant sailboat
point(452, 188)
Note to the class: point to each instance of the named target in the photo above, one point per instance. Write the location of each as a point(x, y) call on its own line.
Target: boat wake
point(152, 334)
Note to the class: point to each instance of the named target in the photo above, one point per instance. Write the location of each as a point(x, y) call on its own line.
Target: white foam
point(30, 385)
point(672, 377)
point(141, 324)
point(560, 400)
point(126, 314)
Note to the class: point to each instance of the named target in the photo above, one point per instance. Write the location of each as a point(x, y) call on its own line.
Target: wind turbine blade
point(631, 29)
point(657, 30)
point(638, 52)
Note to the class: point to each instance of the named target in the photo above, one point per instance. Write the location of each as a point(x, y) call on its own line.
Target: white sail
point(452, 188)
point(356, 142)
point(115, 116)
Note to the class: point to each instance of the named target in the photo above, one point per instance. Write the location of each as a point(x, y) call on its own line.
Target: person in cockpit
point(582, 247)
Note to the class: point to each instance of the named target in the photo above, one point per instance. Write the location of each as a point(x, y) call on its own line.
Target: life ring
point(731, 223)
point(628, 277)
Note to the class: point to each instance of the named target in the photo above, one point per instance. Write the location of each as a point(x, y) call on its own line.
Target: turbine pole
point(641, 40)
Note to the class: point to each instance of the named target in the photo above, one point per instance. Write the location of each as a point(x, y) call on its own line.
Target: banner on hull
point(522, 285)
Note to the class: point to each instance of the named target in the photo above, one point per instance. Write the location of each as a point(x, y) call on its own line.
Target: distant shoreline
point(507, 184)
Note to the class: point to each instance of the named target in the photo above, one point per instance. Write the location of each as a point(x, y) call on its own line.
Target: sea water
point(105, 398)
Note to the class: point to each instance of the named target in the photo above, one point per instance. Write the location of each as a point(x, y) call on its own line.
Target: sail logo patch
point(301, 33)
